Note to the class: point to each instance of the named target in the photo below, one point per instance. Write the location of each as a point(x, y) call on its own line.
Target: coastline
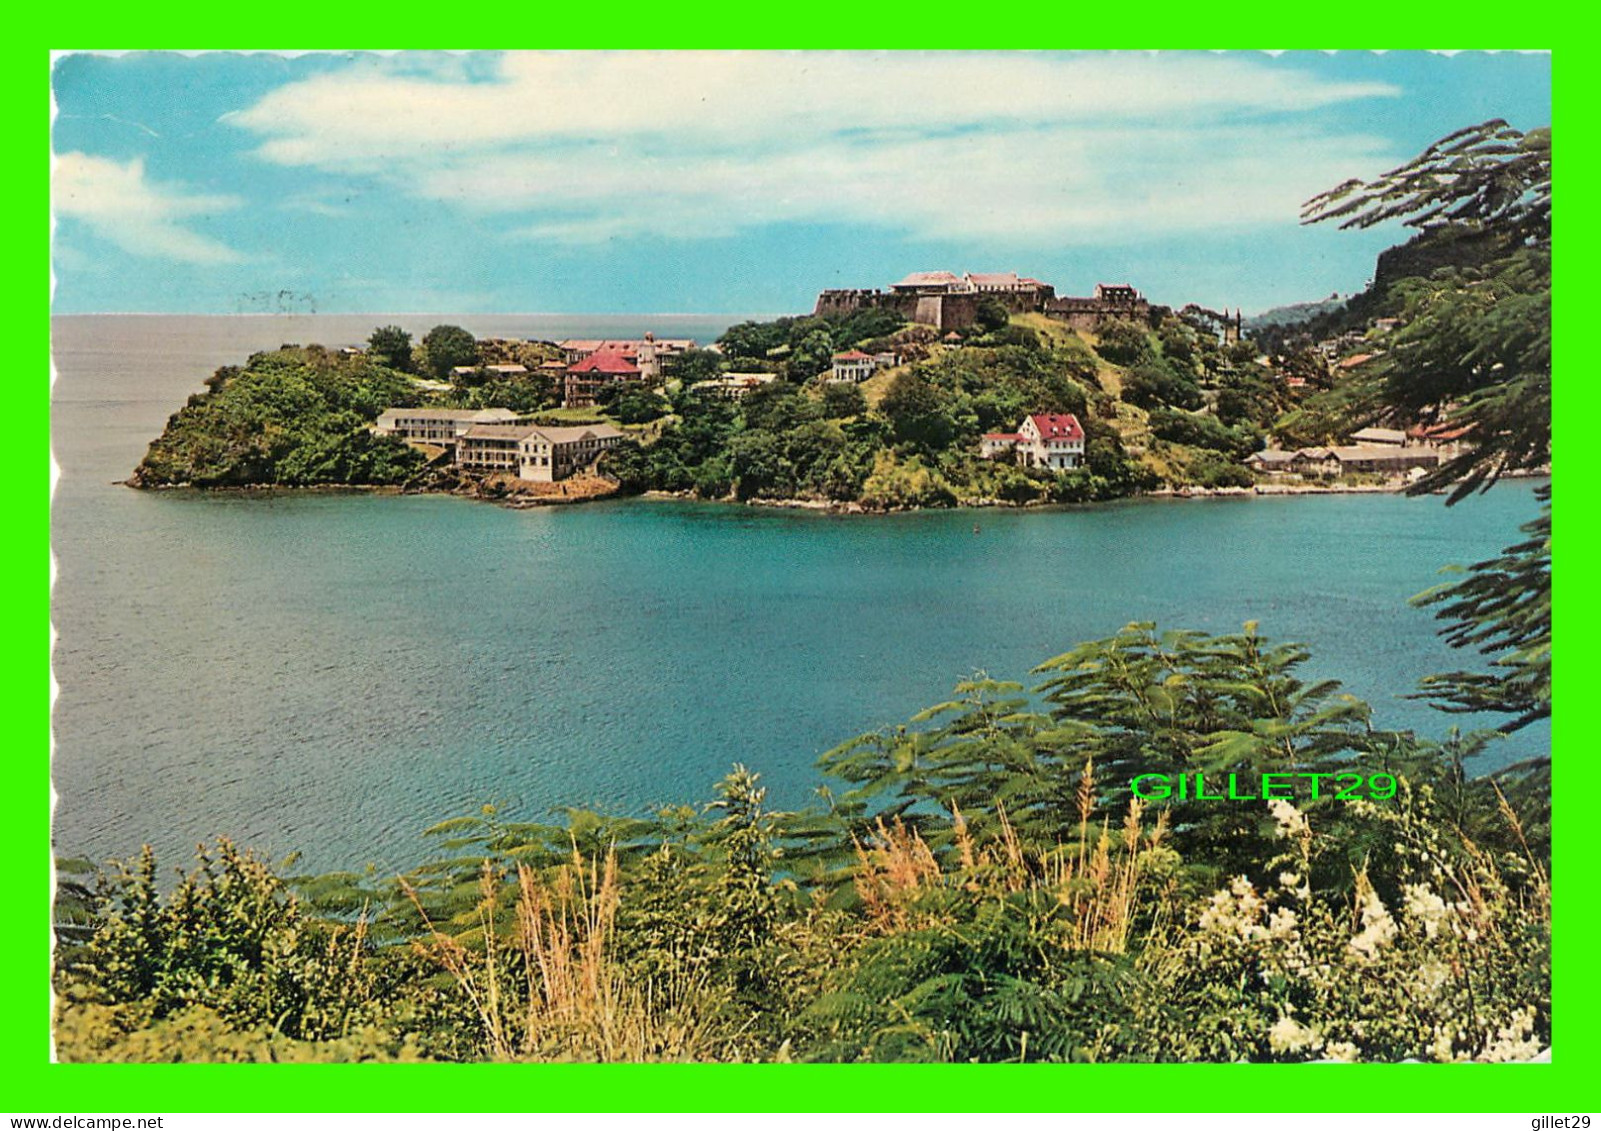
point(514, 499)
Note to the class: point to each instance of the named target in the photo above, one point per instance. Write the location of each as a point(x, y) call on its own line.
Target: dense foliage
point(982, 887)
point(912, 439)
point(291, 417)
point(446, 347)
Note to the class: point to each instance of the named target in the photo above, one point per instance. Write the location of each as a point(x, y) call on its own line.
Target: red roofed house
point(600, 368)
point(853, 365)
point(1050, 440)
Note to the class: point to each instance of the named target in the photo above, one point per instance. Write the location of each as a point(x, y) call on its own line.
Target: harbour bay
point(333, 672)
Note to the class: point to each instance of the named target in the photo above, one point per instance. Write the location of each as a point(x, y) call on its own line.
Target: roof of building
point(604, 361)
point(1354, 360)
point(555, 435)
point(1058, 426)
point(1271, 455)
point(1445, 430)
point(1379, 453)
point(484, 415)
point(853, 355)
point(1012, 436)
point(498, 431)
point(993, 278)
point(929, 279)
point(571, 433)
point(1379, 436)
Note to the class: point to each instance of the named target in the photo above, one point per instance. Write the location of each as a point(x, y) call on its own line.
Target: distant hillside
point(1295, 313)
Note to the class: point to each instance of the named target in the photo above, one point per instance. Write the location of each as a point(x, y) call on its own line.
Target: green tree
point(1475, 347)
point(918, 413)
point(391, 346)
point(1122, 342)
point(635, 405)
point(842, 399)
point(754, 340)
point(991, 314)
point(692, 365)
point(447, 347)
point(813, 354)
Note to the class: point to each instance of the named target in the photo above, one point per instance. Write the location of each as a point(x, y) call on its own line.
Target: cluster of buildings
point(1384, 451)
point(1053, 441)
point(589, 364)
point(498, 440)
point(950, 301)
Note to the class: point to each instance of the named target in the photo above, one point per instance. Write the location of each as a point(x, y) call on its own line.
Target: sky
point(729, 182)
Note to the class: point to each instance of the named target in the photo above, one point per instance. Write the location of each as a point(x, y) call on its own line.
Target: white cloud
point(594, 146)
point(139, 216)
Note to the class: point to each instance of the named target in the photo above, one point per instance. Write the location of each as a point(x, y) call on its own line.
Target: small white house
point(853, 365)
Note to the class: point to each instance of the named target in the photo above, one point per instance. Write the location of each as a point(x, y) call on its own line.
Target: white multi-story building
point(440, 426)
point(540, 454)
point(1050, 440)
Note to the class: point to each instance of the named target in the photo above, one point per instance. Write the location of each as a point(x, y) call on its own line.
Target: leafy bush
point(1151, 384)
point(1122, 342)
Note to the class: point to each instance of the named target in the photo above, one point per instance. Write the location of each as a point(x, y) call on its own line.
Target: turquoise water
point(335, 672)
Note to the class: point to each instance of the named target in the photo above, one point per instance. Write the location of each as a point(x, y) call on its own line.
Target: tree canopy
point(447, 347)
point(391, 346)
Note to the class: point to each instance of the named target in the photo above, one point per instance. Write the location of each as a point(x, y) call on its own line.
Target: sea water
point(334, 672)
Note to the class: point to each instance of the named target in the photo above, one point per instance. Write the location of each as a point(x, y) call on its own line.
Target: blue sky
point(729, 182)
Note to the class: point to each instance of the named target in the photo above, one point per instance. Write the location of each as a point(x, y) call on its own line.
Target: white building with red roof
point(854, 366)
point(1053, 441)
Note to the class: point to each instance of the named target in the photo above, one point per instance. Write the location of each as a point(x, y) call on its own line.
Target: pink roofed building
point(604, 366)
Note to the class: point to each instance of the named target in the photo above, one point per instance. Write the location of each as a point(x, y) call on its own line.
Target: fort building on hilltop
point(950, 302)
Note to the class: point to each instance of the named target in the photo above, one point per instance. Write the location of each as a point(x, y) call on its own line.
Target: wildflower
point(1289, 1035)
point(1282, 923)
point(1236, 910)
point(1343, 1051)
point(1377, 926)
point(1515, 1040)
point(1432, 976)
point(1291, 821)
point(1424, 906)
point(1444, 1049)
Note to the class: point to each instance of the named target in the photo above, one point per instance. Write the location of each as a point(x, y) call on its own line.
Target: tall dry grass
point(1096, 883)
point(553, 989)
